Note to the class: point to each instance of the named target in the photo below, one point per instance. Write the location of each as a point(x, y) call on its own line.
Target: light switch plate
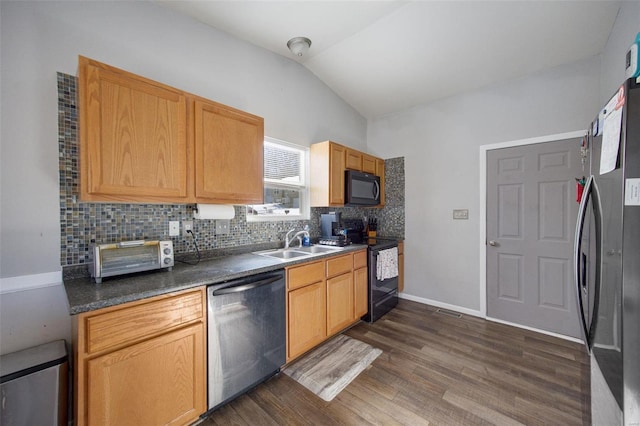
point(222, 226)
point(461, 214)
point(174, 228)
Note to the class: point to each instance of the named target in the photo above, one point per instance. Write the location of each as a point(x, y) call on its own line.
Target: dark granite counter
point(85, 295)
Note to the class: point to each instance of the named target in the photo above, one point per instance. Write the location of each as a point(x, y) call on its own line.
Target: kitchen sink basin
point(318, 249)
point(298, 252)
point(284, 254)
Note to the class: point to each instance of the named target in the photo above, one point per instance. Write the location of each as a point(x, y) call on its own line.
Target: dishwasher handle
point(244, 286)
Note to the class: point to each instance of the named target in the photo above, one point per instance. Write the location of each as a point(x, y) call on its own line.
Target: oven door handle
point(245, 287)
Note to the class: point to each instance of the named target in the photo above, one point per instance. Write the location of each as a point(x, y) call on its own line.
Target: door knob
point(493, 243)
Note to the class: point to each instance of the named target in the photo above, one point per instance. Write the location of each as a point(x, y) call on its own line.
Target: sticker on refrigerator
point(632, 192)
point(611, 132)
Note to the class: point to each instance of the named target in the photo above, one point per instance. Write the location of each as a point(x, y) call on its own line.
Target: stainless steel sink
point(298, 252)
point(284, 254)
point(319, 249)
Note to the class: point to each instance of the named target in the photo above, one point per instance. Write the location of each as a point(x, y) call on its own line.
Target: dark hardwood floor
point(436, 369)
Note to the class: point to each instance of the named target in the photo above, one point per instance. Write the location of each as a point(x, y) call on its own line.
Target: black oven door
point(383, 294)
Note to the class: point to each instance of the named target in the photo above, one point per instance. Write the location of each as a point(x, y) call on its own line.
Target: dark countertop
point(84, 295)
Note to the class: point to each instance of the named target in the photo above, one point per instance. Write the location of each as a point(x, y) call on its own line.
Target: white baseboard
point(441, 305)
point(548, 333)
point(30, 282)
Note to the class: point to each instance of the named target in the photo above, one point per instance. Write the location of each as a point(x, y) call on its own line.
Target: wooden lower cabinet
point(126, 377)
point(307, 324)
point(323, 298)
point(360, 283)
point(400, 266)
point(361, 292)
point(340, 309)
point(152, 383)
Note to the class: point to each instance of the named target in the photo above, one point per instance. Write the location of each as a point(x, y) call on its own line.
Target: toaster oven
point(108, 260)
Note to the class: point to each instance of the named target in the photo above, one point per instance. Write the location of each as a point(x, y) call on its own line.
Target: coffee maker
point(330, 224)
point(332, 232)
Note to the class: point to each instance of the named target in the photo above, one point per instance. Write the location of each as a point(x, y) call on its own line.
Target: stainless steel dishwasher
point(246, 334)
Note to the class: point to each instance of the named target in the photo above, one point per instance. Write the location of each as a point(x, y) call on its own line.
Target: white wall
point(440, 143)
point(39, 39)
point(613, 58)
point(33, 317)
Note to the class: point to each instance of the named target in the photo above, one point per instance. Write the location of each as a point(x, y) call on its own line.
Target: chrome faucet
point(297, 235)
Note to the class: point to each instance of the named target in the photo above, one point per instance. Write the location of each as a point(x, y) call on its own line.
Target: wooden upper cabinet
point(353, 159)
point(369, 164)
point(380, 172)
point(329, 161)
point(142, 141)
point(133, 141)
point(327, 174)
point(336, 175)
point(229, 154)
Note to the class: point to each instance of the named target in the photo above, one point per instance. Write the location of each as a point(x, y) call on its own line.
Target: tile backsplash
point(83, 223)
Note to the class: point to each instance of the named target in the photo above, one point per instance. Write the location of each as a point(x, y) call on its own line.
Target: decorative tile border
point(84, 223)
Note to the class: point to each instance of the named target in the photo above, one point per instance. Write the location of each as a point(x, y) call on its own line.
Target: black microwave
point(361, 189)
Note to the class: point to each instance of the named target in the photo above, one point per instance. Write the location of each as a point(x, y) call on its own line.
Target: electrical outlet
point(187, 225)
point(461, 214)
point(222, 226)
point(174, 228)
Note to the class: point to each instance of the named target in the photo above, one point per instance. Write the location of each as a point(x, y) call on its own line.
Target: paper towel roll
point(214, 211)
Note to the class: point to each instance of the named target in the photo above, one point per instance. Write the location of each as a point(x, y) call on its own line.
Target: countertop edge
point(84, 295)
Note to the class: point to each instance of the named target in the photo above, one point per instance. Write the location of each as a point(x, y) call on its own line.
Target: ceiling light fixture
point(299, 45)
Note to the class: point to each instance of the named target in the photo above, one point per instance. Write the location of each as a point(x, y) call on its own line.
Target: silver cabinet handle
point(493, 243)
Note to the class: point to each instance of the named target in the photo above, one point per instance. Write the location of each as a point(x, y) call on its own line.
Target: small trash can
point(34, 385)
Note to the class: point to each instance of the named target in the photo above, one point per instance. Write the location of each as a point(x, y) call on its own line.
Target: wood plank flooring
point(440, 370)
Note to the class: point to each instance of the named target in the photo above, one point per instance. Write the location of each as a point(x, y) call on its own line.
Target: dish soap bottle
point(306, 241)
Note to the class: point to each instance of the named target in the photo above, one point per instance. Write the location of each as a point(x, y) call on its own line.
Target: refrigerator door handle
point(579, 261)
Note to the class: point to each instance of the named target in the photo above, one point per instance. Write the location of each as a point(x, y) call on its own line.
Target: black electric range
point(383, 289)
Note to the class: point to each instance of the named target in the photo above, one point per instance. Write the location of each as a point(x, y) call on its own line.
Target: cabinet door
point(158, 381)
point(336, 174)
point(353, 160)
point(380, 172)
point(133, 141)
point(340, 311)
point(368, 164)
point(400, 266)
point(361, 294)
point(307, 318)
point(228, 154)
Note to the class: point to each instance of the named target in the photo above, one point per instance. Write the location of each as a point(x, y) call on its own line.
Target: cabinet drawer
point(309, 273)
point(360, 259)
point(339, 265)
point(130, 324)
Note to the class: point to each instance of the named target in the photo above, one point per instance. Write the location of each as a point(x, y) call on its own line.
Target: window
point(286, 191)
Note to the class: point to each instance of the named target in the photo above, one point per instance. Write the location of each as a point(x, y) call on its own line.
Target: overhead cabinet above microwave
point(329, 162)
point(145, 142)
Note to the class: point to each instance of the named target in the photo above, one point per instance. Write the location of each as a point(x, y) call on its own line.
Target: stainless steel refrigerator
point(607, 258)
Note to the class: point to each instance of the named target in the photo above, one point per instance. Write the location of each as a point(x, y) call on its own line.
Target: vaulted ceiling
point(386, 56)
